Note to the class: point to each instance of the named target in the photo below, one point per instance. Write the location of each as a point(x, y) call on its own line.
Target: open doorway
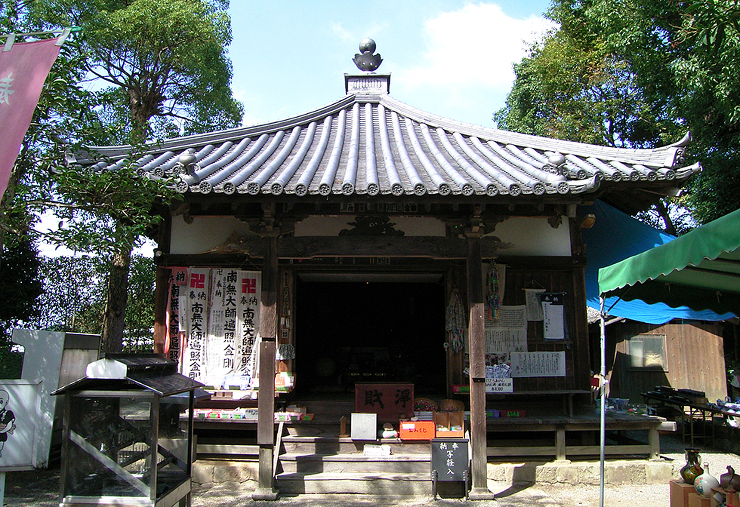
point(348, 332)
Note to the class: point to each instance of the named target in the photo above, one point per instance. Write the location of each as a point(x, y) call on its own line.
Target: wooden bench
point(580, 424)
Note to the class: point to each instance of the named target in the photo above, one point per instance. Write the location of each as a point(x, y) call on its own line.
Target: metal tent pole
point(602, 392)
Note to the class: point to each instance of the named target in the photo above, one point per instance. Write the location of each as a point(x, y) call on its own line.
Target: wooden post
point(266, 398)
point(560, 444)
point(161, 290)
point(477, 348)
point(162, 283)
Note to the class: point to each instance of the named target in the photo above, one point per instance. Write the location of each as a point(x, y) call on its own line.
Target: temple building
point(369, 244)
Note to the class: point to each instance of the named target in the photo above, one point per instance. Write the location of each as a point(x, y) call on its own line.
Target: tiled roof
point(370, 144)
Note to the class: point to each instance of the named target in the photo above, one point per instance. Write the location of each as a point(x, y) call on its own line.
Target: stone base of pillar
point(481, 494)
point(265, 494)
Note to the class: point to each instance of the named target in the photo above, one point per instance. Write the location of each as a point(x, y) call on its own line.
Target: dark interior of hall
point(349, 332)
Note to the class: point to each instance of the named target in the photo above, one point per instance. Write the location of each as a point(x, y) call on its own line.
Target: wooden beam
point(307, 247)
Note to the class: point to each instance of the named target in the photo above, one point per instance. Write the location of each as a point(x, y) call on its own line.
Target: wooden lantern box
point(679, 493)
point(450, 424)
point(731, 498)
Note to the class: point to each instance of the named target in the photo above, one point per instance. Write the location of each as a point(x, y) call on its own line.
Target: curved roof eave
point(371, 144)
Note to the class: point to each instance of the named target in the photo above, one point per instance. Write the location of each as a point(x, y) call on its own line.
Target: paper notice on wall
point(498, 374)
point(500, 340)
point(553, 309)
point(510, 317)
point(534, 306)
point(499, 385)
point(538, 364)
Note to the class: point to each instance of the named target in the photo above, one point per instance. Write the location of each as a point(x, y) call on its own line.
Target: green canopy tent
point(700, 270)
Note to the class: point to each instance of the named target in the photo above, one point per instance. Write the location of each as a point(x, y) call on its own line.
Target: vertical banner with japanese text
point(173, 337)
point(220, 348)
point(249, 322)
point(195, 305)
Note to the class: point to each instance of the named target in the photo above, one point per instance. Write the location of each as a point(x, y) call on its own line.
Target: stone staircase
point(315, 459)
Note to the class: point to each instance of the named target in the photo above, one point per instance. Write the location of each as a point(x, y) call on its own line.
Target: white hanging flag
point(195, 323)
point(248, 336)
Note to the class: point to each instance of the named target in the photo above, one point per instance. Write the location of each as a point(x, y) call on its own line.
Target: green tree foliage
point(19, 285)
point(164, 58)
point(74, 294)
point(639, 73)
point(74, 297)
point(166, 64)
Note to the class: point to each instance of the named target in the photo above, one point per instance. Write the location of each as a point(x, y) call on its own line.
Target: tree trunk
point(115, 308)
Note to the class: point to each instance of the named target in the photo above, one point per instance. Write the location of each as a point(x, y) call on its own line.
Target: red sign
point(417, 430)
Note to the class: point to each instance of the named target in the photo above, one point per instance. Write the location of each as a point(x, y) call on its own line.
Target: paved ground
point(40, 488)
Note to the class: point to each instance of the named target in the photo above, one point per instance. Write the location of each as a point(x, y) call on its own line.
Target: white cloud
point(341, 32)
point(474, 46)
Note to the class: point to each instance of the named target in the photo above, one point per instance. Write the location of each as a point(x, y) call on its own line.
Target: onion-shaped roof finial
point(366, 60)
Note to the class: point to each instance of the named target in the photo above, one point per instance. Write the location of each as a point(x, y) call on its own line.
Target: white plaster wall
point(534, 236)
point(205, 233)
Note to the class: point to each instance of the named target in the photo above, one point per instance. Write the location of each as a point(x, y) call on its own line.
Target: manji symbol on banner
point(23, 70)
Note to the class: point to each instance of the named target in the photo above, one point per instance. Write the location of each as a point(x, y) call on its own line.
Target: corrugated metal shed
point(369, 144)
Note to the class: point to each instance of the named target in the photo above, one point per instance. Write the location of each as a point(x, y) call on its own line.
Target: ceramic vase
point(692, 469)
point(730, 479)
point(705, 482)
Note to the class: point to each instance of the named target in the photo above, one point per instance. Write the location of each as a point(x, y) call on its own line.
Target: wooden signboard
point(450, 462)
point(391, 401)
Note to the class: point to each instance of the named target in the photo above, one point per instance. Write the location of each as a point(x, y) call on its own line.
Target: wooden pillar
point(161, 293)
point(162, 284)
point(477, 348)
point(266, 398)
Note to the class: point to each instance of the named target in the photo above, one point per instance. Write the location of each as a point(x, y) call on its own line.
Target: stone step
point(316, 428)
point(335, 445)
point(380, 484)
point(355, 463)
point(332, 409)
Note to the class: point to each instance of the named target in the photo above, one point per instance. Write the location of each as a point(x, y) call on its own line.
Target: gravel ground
point(40, 488)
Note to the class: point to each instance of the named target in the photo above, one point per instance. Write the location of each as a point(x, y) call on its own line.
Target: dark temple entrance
point(350, 332)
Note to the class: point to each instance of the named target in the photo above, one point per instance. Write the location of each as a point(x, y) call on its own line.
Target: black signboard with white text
point(450, 461)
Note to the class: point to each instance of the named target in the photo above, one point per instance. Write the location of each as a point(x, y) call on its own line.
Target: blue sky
point(446, 57)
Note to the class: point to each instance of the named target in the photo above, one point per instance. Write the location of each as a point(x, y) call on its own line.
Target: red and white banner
point(23, 70)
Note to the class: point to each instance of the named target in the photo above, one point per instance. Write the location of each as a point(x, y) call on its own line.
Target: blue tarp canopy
point(614, 237)
point(700, 269)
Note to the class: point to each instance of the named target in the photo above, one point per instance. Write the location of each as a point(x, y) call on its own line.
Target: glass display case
point(127, 436)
